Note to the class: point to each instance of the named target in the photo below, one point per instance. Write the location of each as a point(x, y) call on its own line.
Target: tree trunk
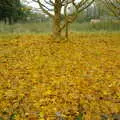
point(5, 20)
point(56, 27)
point(10, 19)
point(66, 31)
point(57, 20)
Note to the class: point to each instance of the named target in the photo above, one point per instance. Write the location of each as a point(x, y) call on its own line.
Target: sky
point(30, 3)
point(35, 6)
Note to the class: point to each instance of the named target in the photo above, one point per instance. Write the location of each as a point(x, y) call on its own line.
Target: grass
point(26, 28)
point(102, 26)
point(46, 27)
point(41, 79)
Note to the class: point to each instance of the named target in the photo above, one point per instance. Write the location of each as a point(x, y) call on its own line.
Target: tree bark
point(57, 20)
point(10, 20)
point(56, 27)
point(66, 30)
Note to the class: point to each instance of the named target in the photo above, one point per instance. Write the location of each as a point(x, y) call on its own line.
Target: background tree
point(97, 10)
point(113, 6)
point(58, 9)
point(10, 11)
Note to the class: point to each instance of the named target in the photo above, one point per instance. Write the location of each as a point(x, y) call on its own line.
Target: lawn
point(43, 79)
point(45, 27)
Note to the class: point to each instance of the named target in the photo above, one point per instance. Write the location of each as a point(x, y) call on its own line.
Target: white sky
point(30, 3)
point(35, 6)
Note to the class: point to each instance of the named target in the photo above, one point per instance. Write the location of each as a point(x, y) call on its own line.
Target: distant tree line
point(11, 11)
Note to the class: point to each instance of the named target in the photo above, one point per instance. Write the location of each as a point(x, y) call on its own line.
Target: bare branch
point(49, 2)
point(44, 8)
point(78, 8)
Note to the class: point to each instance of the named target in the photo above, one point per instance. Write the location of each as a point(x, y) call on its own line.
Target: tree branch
point(44, 8)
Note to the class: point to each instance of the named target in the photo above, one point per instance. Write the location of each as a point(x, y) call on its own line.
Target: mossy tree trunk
point(56, 26)
point(57, 19)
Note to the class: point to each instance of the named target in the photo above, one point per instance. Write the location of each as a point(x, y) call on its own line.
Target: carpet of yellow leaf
point(41, 79)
